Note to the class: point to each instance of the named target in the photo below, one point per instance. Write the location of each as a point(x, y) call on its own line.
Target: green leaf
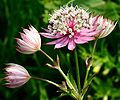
point(34, 88)
point(70, 77)
point(43, 92)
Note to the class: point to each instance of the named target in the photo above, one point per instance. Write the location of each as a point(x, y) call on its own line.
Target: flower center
point(68, 20)
point(70, 32)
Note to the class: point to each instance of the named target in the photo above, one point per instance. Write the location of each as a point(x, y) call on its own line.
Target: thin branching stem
point(48, 81)
point(47, 55)
point(88, 69)
point(75, 93)
point(77, 70)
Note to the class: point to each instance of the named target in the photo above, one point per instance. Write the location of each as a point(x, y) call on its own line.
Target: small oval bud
point(88, 62)
point(16, 75)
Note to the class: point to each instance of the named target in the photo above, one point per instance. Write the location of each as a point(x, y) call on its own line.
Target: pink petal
point(24, 50)
point(49, 35)
point(15, 72)
point(28, 39)
point(33, 36)
point(71, 44)
point(90, 33)
point(62, 43)
point(55, 41)
point(12, 67)
point(87, 30)
point(95, 19)
point(15, 79)
point(82, 40)
point(79, 41)
point(23, 44)
point(93, 33)
point(15, 85)
point(46, 30)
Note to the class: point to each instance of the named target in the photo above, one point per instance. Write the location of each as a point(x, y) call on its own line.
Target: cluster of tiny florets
point(68, 20)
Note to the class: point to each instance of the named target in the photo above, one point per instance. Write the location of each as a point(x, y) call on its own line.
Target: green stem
point(77, 70)
point(93, 51)
point(88, 69)
point(48, 81)
point(47, 55)
point(67, 80)
point(85, 82)
point(75, 94)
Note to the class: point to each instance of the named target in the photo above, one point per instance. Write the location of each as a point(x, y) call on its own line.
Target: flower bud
point(96, 69)
point(105, 25)
point(88, 62)
point(30, 42)
point(16, 75)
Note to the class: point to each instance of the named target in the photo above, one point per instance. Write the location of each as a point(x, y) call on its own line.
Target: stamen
point(70, 30)
point(63, 18)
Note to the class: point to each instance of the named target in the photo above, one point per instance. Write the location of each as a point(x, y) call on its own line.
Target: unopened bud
point(106, 71)
point(96, 69)
point(88, 62)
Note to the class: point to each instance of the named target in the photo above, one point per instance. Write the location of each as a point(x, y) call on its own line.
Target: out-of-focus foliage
point(106, 70)
point(15, 14)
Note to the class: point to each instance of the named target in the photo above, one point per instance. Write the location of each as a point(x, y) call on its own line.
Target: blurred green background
point(18, 14)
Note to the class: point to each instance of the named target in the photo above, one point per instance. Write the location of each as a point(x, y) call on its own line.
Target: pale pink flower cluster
point(73, 25)
point(68, 26)
point(16, 75)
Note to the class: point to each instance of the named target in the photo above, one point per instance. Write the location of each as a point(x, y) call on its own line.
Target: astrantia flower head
point(16, 75)
point(70, 26)
point(30, 42)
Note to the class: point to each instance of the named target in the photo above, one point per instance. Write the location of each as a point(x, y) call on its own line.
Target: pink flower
point(105, 25)
point(71, 26)
point(16, 75)
point(30, 42)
